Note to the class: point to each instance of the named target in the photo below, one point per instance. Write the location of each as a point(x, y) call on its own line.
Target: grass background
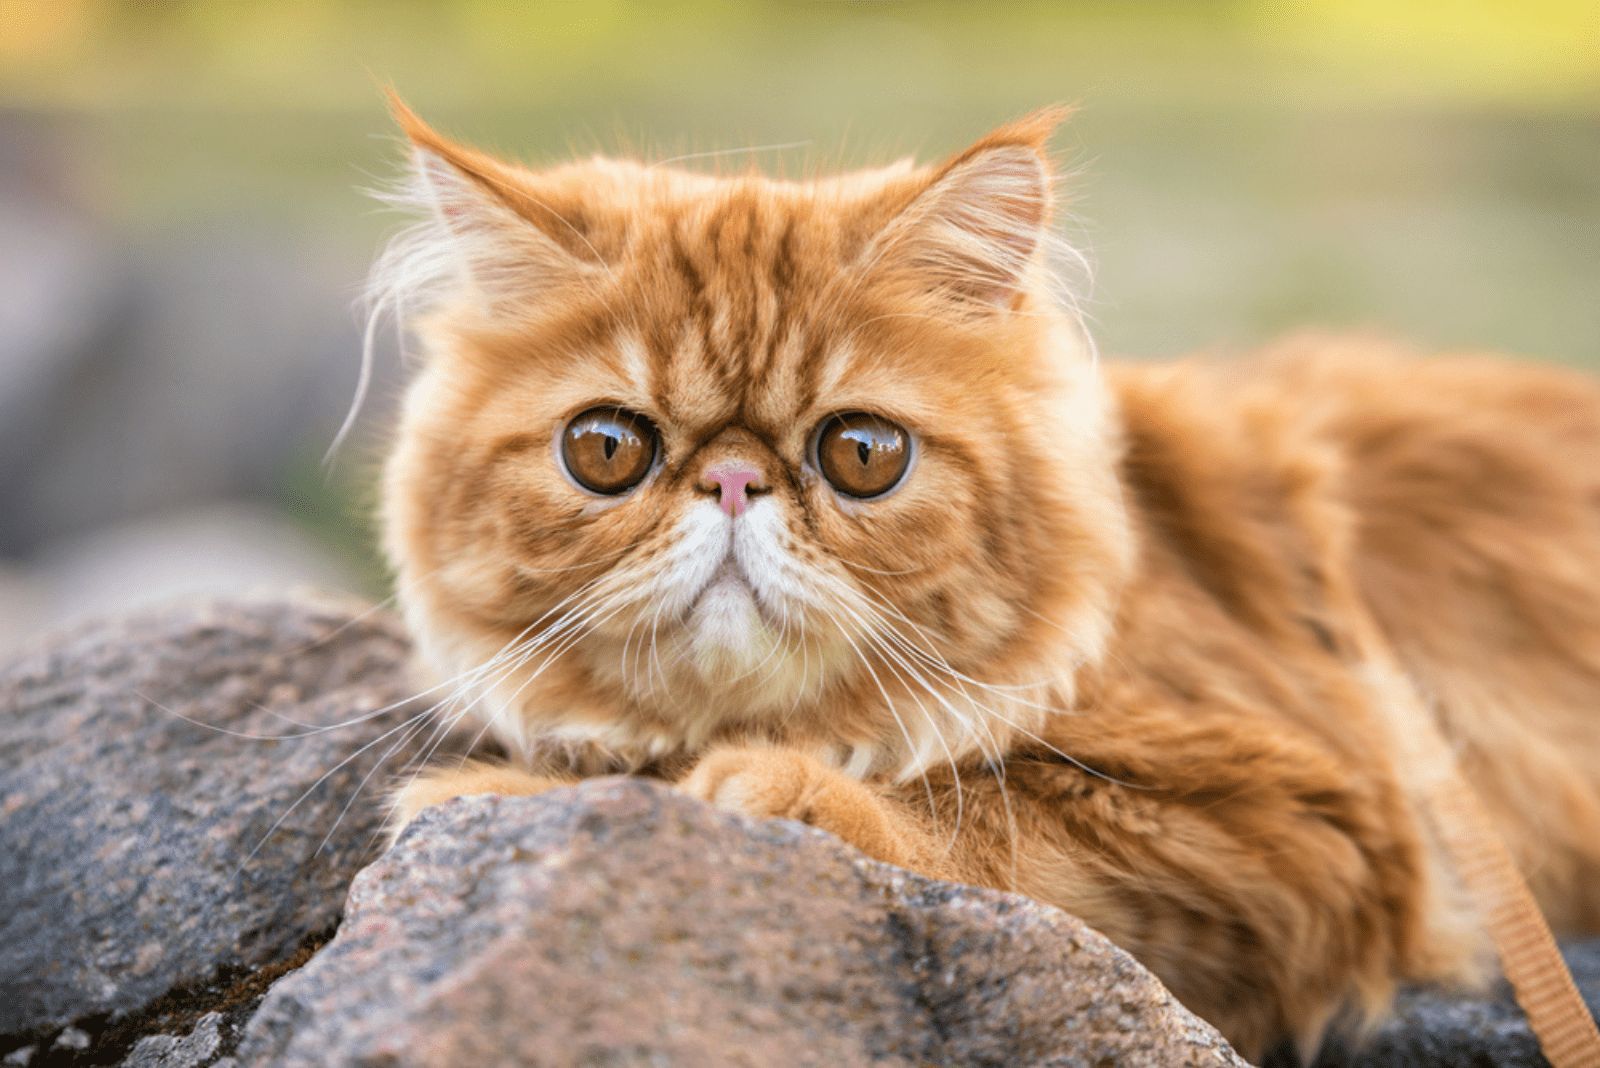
point(1238, 168)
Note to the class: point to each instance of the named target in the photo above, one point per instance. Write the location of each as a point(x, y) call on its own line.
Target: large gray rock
point(1432, 1029)
point(616, 922)
point(620, 922)
point(141, 852)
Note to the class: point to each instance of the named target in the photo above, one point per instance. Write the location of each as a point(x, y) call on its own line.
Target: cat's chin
point(727, 635)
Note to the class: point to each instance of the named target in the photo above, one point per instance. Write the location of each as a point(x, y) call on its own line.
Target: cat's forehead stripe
point(730, 336)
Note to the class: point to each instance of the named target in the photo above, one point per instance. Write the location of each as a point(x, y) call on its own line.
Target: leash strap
point(1528, 954)
point(1529, 957)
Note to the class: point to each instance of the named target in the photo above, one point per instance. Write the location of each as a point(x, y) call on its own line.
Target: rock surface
point(619, 922)
point(127, 831)
point(612, 923)
point(200, 1046)
point(1431, 1029)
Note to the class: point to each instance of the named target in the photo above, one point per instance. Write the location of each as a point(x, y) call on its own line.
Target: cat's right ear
point(488, 223)
point(972, 233)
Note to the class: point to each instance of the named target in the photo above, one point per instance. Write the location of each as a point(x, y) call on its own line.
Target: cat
point(812, 498)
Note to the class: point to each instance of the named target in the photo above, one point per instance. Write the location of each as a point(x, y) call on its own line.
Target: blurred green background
point(189, 176)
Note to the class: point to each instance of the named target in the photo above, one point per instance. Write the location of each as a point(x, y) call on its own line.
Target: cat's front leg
point(777, 783)
point(435, 786)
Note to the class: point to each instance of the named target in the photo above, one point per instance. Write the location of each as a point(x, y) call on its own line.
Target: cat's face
point(694, 458)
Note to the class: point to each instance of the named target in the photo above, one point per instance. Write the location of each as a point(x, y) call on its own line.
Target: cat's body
point(1133, 644)
point(1452, 502)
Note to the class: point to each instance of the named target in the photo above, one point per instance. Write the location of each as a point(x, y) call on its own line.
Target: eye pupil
point(862, 455)
point(608, 450)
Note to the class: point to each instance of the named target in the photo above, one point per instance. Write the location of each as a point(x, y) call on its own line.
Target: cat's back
point(1478, 452)
point(1470, 486)
point(1372, 396)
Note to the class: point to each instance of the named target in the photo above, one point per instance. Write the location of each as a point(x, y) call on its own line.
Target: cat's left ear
point(973, 231)
point(494, 226)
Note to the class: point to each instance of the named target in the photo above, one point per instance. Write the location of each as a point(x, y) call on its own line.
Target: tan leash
point(1528, 954)
point(1529, 957)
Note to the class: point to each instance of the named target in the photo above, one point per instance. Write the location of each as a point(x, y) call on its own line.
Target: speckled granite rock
point(1433, 1030)
point(614, 923)
point(125, 832)
point(199, 1047)
point(621, 923)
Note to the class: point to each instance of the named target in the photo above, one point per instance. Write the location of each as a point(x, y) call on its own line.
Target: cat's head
point(694, 457)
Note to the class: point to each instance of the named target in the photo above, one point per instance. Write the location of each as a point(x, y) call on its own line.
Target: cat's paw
point(760, 783)
point(786, 784)
point(435, 786)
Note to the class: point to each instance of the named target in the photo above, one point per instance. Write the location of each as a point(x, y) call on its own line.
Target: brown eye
point(608, 450)
point(862, 455)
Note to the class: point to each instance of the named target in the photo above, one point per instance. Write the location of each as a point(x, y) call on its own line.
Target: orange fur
point(1126, 642)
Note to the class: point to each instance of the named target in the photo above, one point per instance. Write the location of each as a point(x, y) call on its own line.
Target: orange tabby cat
point(811, 497)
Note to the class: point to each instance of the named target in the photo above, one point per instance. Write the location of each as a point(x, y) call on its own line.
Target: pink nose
point(733, 483)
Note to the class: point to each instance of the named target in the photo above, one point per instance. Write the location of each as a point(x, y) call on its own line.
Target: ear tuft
point(1032, 130)
point(975, 229)
point(484, 228)
point(411, 124)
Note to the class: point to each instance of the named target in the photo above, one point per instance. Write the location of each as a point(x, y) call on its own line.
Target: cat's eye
point(862, 455)
point(608, 450)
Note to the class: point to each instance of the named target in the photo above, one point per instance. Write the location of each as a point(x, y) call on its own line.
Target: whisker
point(933, 726)
point(655, 657)
point(994, 760)
point(889, 704)
point(719, 153)
point(562, 646)
point(324, 777)
point(988, 746)
point(404, 739)
point(408, 728)
point(562, 641)
point(938, 664)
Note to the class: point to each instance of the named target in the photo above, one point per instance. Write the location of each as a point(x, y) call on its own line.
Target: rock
point(614, 922)
point(71, 1038)
point(1433, 1029)
point(619, 922)
point(199, 1047)
point(129, 866)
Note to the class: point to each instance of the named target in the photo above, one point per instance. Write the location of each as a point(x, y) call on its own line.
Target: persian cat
point(812, 498)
